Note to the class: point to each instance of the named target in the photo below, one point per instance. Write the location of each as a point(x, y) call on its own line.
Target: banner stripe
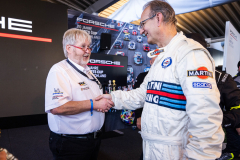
point(16, 36)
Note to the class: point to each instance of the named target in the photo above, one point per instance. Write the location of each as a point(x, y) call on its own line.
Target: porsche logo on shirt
point(201, 72)
point(82, 83)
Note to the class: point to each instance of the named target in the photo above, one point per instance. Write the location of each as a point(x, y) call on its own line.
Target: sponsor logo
point(166, 62)
point(89, 21)
point(86, 88)
point(57, 97)
point(164, 94)
point(57, 94)
point(57, 91)
point(201, 72)
point(154, 85)
point(98, 61)
point(82, 83)
point(201, 85)
point(157, 52)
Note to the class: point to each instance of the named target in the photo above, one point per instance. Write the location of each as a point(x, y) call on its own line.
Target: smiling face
point(150, 26)
point(77, 55)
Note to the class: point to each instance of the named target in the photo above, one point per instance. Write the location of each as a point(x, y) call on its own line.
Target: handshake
point(103, 103)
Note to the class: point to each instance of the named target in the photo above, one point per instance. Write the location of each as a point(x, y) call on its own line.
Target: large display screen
point(31, 34)
point(109, 67)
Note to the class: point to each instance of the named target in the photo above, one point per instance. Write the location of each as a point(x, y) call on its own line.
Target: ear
point(159, 18)
point(68, 48)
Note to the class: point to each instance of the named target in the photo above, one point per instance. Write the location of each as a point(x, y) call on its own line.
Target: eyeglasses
point(144, 21)
point(84, 49)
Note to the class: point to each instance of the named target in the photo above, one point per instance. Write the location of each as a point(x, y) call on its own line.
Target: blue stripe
point(172, 100)
point(172, 91)
point(172, 86)
point(173, 105)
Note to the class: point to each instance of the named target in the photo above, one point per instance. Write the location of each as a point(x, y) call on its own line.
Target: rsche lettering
point(13, 25)
point(104, 62)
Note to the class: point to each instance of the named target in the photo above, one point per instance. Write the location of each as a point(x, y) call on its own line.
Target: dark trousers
point(233, 142)
point(68, 148)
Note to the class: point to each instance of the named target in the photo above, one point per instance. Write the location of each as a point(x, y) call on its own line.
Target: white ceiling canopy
point(132, 10)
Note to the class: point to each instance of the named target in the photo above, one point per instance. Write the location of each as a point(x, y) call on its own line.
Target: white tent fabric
point(132, 10)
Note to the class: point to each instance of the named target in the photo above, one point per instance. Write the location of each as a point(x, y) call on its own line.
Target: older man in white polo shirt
point(69, 101)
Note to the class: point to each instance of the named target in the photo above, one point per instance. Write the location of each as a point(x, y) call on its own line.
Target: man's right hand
point(102, 104)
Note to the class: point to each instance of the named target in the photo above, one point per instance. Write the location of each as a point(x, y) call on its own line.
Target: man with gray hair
point(181, 117)
point(69, 101)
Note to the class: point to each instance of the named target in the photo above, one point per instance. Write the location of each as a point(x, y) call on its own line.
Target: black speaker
point(105, 41)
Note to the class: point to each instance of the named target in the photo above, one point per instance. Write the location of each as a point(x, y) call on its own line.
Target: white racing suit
point(181, 117)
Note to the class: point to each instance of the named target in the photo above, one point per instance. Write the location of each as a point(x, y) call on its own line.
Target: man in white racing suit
point(181, 117)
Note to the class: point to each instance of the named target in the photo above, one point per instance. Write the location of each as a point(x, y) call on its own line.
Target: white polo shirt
point(65, 84)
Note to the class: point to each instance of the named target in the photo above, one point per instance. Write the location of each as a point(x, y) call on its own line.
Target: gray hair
point(164, 8)
point(71, 36)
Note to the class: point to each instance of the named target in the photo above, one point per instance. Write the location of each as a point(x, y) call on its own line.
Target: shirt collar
point(85, 70)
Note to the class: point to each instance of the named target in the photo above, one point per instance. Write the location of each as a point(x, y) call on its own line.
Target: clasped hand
point(103, 103)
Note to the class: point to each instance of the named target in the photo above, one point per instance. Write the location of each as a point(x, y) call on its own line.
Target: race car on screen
point(125, 30)
point(146, 47)
point(138, 58)
point(118, 44)
point(139, 39)
point(120, 53)
point(131, 45)
point(134, 32)
point(126, 37)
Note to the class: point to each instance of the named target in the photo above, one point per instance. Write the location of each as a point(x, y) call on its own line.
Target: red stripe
point(7, 35)
point(233, 37)
point(91, 64)
point(175, 96)
point(96, 26)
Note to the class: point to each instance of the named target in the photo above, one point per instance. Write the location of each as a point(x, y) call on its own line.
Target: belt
point(93, 135)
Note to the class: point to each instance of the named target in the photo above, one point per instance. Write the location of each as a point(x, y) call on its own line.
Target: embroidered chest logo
point(57, 94)
point(82, 83)
point(201, 72)
point(166, 62)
